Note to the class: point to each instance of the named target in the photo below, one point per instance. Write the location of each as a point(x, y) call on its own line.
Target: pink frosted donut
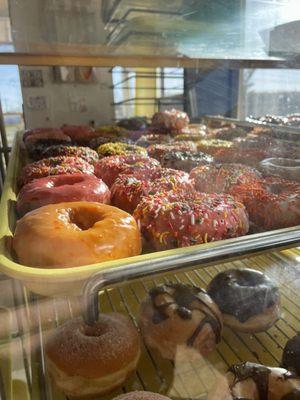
point(80, 134)
point(170, 120)
point(189, 219)
point(109, 168)
point(128, 190)
point(59, 189)
point(54, 166)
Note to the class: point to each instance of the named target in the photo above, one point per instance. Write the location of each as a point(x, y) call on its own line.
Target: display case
point(88, 63)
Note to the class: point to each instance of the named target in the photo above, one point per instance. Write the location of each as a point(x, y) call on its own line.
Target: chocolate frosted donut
point(247, 298)
point(291, 355)
point(185, 160)
point(178, 314)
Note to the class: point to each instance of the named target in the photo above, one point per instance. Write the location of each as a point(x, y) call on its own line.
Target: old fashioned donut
point(92, 360)
point(139, 395)
point(73, 234)
point(168, 221)
point(291, 355)
point(282, 167)
point(159, 150)
point(79, 134)
point(37, 141)
point(220, 178)
point(248, 299)
point(54, 166)
point(120, 149)
point(109, 168)
point(211, 146)
point(85, 153)
point(128, 190)
point(180, 315)
point(273, 203)
point(170, 121)
point(185, 160)
point(59, 189)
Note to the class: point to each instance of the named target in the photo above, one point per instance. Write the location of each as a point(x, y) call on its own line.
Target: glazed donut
point(239, 155)
point(79, 134)
point(170, 121)
point(120, 149)
point(220, 178)
point(85, 153)
point(59, 189)
point(73, 234)
point(180, 315)
point(176, 220)
point(258, 382)
point(273, 203)
point(185, 160)
point(282, 167)
point(291, 355)
point(138, 395)
point(150, 139)
point(249, 300)
point(54, 166)
point(128, 190)
point(211, 146)
point(159, 150)
point(109, 168)
point(36, 143)
point(92, 360)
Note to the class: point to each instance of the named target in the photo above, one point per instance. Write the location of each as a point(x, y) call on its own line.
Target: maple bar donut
point(220, 178)
point(272, 203)
point(59, 189)
point(170, 121)
point(79, 134)
point(248, 299)
point(140, 395)
point(128, 190)
point(175, 315)
point(291, 355)
point(120, 149)
point(86, 361)
point(159, 150)
point(54, 166)
point(185, 160)
point(171, 220)
point(85, 153)
point(109, 168)
point(74, 234)
point(37, 141)
point(282, 167)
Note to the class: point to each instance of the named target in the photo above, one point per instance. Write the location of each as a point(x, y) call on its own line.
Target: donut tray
point(34, 317)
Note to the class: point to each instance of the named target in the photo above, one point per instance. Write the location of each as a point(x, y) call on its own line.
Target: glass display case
point(173, 267)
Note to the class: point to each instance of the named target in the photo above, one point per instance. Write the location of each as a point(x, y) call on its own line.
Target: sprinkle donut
point(109, 168)
point(85, 153)
point(211, 146)
point(128, 190)
point(190, 219)
point(238, 155)
point(185, 160)
point(152, 138)
point(159, 150)
point(37, 142)
point(59, 189)
point(120, 149)
point(54, 166)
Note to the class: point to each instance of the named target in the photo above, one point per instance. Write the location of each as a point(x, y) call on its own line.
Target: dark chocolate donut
point(243, 293)
point(291, 355)
point(185, 160)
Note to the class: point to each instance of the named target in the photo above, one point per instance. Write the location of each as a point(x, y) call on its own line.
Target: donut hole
point(83, 219)
point(72, 180)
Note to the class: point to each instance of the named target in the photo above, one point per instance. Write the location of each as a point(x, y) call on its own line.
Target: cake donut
point(109, 168)
point(159, 150)
point(170, 121)
point(85, 153)
point(248, 299)
point(282, 167)
point(175, 315)
point(128, 190)
point(54, 166)
point(221, 178)
point(140, 395)
point(36, 143)
point(79, 134)
point(152, 138)
point(168, 221)
point(291, 355)
point(59, 189)
point(86, 361)
point(75, 233)
point(272, 203)
point(185, 160)
point(120, 149)
point(258, 382)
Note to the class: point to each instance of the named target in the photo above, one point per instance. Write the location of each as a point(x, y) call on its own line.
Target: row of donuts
point(87, 360)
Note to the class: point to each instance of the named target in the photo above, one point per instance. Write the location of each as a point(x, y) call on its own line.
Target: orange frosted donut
point(169, 221)
point(59, 189)
point(159, 150)
point(221, 178)
point(109, 168)
point(73, 234)
point(170, 121)
point(272, 203)
point(128, 190)
point(54, 166)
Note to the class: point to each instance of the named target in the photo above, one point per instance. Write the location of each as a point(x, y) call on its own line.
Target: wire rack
point(191, 376)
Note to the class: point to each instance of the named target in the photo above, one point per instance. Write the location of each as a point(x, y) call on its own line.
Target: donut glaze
point(185, 160)
point(291, 355)
point(60, 189)
point(169, 221)
point(85, 153)
point(74, 234)
point(88, 360)
point(139, 395)
point(177, 314)
point(244, 294)
point(120, 149)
